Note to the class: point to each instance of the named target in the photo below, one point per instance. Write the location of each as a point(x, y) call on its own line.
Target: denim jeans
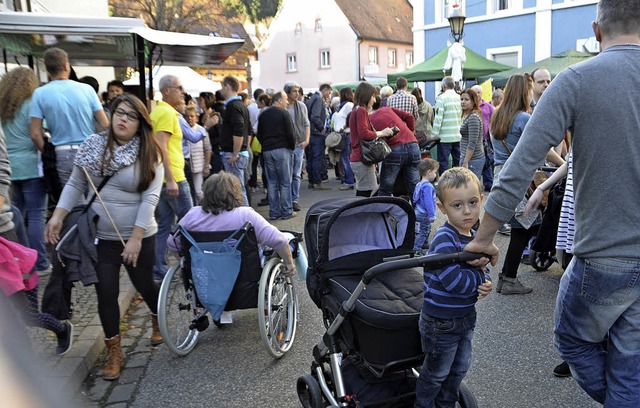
point(404, 157)
point(278, 166)
point(599, 297)
point(30, 197)
point(237, 169)
point(447, 347)
point(487, 171)
point(296, 167)
point(64, 164)
point(476, 166)
point(446, 149)
point(423, 232)
point(168, 209)
point(349, 178)
point(315, 157)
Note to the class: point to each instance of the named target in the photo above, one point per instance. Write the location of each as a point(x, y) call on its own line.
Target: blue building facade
point(513, 32)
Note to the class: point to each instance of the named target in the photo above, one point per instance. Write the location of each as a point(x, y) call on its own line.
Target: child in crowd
point(448, 313)
point(199, 154)
point(424, 201)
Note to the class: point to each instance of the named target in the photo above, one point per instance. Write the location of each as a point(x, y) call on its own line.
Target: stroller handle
point(427, 261)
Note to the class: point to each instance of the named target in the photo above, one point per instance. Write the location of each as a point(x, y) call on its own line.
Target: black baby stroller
point(371, 351)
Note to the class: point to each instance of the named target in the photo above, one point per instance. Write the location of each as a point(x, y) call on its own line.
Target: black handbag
point(373, 151)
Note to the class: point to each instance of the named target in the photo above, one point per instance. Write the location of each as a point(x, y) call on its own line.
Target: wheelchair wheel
point(177, 312)
point(541, 261)
point(309, 392)
point(277, 308)
point(467, 400)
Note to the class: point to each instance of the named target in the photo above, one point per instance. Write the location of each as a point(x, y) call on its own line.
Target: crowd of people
point(152, 168)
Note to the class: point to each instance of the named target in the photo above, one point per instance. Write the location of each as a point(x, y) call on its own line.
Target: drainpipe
point(360, 41)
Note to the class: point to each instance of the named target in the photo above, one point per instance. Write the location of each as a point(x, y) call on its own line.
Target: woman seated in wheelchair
point(221, 209)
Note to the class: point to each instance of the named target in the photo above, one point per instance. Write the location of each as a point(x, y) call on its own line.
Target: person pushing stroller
point(448, 314)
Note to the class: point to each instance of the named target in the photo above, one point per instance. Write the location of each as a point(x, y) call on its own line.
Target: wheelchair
point(261, 284)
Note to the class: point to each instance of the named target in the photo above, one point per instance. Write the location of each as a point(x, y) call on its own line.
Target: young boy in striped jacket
point(448, 315)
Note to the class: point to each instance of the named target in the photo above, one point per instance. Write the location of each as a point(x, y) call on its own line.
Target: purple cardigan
point(199, 221)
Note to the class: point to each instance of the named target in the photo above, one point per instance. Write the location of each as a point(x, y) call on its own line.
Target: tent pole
point(152, 48)
point(141, 64)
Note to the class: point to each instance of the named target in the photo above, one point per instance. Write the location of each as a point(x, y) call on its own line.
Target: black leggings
point(26, 302)
point(519, 239)
point(108, 288)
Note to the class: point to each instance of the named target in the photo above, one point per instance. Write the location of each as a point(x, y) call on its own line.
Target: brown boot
point(155, 338)
point(115, 358)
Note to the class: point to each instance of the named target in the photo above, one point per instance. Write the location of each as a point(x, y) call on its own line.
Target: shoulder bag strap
point(97, 194)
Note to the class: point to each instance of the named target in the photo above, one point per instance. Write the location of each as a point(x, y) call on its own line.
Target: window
point(408, 59)
point(298, 28)
point(318, 25)
point(373, 55)
point(511, 56)
point(501, 4)
point(292, 63)
point(391, 57)
point(325, 61)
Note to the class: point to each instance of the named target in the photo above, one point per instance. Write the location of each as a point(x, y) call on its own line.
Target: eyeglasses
point(179, 88)
point(132, 116)
point(543, 81)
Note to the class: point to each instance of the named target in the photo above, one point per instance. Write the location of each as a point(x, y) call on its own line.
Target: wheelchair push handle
point(427, 261)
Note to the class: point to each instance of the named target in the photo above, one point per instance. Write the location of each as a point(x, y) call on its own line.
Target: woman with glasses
point(130, 156)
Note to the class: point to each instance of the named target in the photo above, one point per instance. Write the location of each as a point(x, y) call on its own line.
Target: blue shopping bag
point(214, 270)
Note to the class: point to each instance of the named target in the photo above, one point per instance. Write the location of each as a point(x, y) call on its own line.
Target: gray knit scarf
point(93, 152)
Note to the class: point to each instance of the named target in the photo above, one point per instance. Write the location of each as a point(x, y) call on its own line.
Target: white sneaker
point(226, 318)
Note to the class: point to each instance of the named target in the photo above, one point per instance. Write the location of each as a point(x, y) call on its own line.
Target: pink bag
point(16, 265)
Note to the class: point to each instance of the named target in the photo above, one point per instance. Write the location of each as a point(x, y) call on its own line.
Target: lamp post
point(456, 22)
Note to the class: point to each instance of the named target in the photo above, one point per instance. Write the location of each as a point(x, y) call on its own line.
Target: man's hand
point(52, 230)
point(303, 145)
point(490, 249)
point(232, 160)
point(172, 188)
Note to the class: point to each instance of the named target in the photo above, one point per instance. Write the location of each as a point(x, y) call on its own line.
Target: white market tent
point(107, 41)
point(192, 82)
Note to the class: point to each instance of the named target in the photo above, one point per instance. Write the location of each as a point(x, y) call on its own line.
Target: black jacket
point(275, 129)
point(235, 122)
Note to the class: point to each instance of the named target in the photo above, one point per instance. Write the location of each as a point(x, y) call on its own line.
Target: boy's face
point(462, 207)
point(432, 174)
point(192, 118)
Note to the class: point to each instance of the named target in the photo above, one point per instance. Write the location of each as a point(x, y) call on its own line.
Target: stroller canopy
point(335, 228)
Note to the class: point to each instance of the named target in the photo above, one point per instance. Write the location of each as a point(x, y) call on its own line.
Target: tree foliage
point(180, 15)
point(255, 10)
point(167, 15)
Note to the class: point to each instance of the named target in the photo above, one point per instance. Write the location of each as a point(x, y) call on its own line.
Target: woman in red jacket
point(405, 151)
point(361, 129)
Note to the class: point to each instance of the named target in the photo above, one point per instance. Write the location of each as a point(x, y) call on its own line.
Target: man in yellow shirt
point(175, 197)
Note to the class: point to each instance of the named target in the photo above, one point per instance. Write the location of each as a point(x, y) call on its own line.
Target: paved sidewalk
point(70, 371)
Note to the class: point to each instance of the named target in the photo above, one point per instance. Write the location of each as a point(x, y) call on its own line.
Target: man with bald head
point(541, 80)
point(599, 294)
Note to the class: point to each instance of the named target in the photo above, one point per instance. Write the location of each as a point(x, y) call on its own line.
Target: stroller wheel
point(541, 261)
point(309, 392)
point(467, 400)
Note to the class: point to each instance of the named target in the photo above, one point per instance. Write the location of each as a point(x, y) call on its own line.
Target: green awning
point(431, 69)
point(553, 64)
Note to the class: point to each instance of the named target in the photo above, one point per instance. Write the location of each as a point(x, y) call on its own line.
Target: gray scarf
point(93, 151)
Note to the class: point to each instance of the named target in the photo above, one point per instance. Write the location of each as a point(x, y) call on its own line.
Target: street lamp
point(209, 75)
point(456, 22)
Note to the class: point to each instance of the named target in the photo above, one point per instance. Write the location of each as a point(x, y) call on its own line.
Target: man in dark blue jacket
point(318, 114)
